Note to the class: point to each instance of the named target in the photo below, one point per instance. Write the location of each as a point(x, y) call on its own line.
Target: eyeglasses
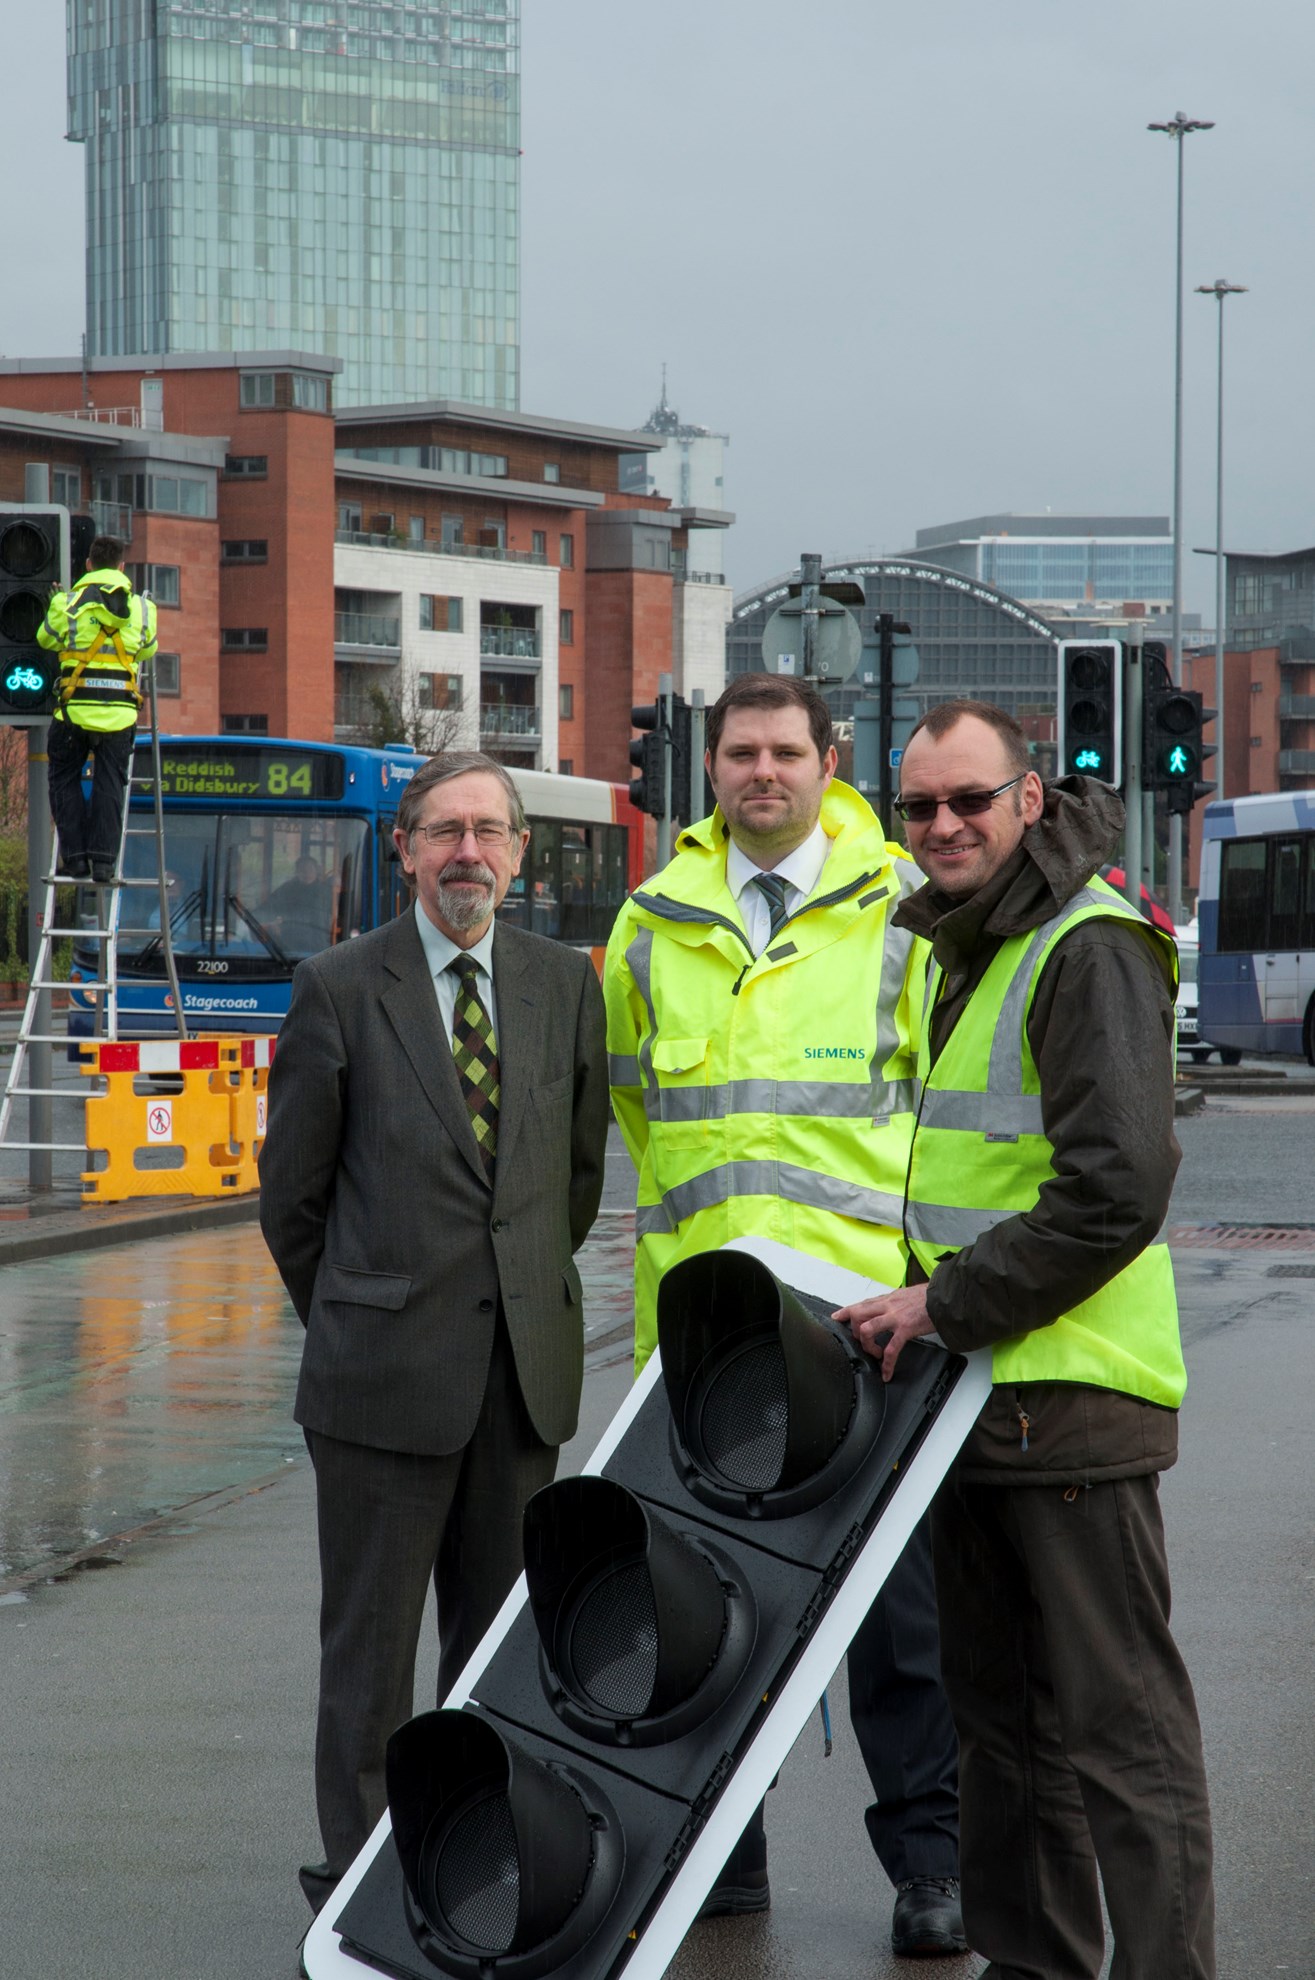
point(965, 804)
point(448, 832)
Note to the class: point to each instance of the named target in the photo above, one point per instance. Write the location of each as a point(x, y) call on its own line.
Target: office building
point(310, 175)
point(1090, 570)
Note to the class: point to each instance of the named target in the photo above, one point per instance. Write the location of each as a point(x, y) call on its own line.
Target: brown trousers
point(1079, 1744)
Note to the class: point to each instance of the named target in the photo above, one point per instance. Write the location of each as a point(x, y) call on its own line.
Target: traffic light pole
point(1133, 704)
point(885, 717)
point(41, 1058)
point(698, 743)
point(664, 822)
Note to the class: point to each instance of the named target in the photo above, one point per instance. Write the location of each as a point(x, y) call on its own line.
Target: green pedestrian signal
point(1179, 763)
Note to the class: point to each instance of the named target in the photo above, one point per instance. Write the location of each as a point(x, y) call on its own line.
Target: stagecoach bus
point(275, 850)
point(1257, 923)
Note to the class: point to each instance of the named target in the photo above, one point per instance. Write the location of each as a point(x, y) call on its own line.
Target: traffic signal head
point(1091, 709)
point(683, 769)
point(33, 561)
point(1174, 749)
point(648, 753)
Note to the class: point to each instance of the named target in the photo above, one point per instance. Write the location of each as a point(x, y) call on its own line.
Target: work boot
point(742, 1885)
point(76, 866)
point(927, 1921)
point(102, 872)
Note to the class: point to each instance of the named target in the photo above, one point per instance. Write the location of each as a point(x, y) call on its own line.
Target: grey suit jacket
point(374, 1203)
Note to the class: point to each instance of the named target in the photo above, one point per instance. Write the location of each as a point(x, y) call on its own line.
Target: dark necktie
point(773, 887)
point(476, 1060)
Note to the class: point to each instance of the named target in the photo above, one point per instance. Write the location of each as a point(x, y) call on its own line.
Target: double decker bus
point(275, 850)
point(1257, 923)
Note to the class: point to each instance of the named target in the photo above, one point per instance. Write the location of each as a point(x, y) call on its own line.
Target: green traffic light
point(1179, 761)
point(1089, 760)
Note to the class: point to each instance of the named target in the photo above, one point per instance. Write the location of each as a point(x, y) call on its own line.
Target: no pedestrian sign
point(160, 1121)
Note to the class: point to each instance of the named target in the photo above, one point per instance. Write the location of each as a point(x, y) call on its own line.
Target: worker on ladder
point(103, 633)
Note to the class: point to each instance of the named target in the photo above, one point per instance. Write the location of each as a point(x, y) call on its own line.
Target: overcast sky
point(918, 262)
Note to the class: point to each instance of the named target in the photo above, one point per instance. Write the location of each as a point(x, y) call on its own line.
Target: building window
point(539, 543)
point(566, 628)
point(168, 673)
point(245, 550)
point(566, 701)
point(66, 486)
point(384, 523)
point(439, 691)
point(244, 639)
point(349, 518)
point(439, 614)
point(163, 581)
point(493, 534)
point(566, 552)
point(246, 467)
point(166, 494)
point(454, 530)
point(244, 725)
point(307, 391)
point(551, 471)
point(257, 388)
point(415, 529)
point(566, 767)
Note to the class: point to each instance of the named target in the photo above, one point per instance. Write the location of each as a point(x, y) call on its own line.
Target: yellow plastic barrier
point(248, 1103)
point(166, 1121)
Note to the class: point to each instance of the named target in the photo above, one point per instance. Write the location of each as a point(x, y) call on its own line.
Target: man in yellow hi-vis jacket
point(102, 632)
point(762, 1038)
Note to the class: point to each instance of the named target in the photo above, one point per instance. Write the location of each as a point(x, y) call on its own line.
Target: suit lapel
point(521, 1020)
point(411, 1005)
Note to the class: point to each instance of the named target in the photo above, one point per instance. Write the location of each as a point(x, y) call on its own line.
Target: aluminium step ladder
point(99, 923)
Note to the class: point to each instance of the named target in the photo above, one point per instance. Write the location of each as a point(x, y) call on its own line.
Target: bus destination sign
point(247, 770)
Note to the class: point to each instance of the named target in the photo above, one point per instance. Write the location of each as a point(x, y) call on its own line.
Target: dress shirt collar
point(440, 949)
point(801, 869)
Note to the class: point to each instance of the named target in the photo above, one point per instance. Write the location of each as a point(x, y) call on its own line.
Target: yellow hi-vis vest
point(768, 1097)
point(103, 631)
point(980, 1155)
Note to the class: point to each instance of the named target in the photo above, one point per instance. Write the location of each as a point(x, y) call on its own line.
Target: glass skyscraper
point(339, 176)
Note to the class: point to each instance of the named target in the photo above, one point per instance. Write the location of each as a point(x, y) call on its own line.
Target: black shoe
point(748, 1891)
point(103, 873)
point(318, 1885)
point(927, 1923)
point(77, 866)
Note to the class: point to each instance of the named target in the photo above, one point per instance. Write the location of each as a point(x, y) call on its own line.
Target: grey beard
point(460, 908)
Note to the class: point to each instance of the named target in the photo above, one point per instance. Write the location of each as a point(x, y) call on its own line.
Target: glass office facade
point(1071, 572)
point(338, 176)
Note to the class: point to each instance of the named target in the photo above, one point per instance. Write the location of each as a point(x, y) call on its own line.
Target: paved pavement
point(157, 1613)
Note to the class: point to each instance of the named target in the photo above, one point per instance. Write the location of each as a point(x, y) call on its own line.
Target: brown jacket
point(1101, 1031)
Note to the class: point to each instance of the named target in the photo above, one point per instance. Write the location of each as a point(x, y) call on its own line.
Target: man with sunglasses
point(1042, 1166)
point(437, 1128)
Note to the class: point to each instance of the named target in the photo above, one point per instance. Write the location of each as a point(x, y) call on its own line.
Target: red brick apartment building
point(483, 562)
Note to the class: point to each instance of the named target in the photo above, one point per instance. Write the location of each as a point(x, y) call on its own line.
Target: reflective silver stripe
point(818, 1098)
point(622, 1069)
point(779, 1179)
point(950, 1224)
point(639, 960)
point(896, 953)
point(1006, 1069)
point(983, 1113)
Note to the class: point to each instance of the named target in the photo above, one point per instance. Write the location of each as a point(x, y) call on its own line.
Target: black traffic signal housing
point(33, 563)
point(638, 1704)
point(1174, 750)
point(1091, 709)
point(683, 767)
point(648, 754)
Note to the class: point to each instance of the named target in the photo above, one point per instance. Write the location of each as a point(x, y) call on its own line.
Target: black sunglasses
point(967, 804)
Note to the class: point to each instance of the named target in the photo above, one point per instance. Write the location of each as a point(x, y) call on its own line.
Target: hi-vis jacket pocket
point(680, 1056)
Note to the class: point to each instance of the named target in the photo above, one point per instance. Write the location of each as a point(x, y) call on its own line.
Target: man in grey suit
point(437, 1123)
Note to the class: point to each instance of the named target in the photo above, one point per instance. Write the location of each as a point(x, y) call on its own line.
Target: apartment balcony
point(430, 547)
point(1296, 762)
point(367, 635)
point(112, 519)
point(509, 718)
point(510, 642)
point(1296, 708)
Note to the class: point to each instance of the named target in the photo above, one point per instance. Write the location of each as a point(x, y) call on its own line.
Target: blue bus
point(1257, 923)
point(275, 850)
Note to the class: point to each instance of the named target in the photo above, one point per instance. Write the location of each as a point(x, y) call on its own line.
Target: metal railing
point(366, 629)
point(1296, 707)
point(509, 718)
point(509, 642)
point(698, 577)
point(149, 422)
point(1296, 762)
point(429, 547)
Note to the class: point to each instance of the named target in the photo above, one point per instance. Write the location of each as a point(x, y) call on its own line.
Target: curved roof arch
point(777, 589)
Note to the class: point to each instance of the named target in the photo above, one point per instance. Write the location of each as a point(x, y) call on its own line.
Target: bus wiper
point(261, 933)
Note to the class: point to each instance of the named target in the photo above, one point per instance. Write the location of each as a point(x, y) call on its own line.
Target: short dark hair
point(946, 715)
point(770, 691)
point(106, 553)
point(455, 763)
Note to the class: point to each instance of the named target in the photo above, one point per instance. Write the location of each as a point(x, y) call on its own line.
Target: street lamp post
point(1178, 127)
point(1219, 290)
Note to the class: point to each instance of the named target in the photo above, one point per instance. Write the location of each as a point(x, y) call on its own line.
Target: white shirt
point(439, 952)
point(801, 870)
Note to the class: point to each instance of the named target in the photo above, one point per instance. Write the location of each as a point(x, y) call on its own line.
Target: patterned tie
point(476, 1058)
point(773, 887)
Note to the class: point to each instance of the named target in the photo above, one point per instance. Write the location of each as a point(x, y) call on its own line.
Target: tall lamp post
point(1219, 290)
point(1178, 127)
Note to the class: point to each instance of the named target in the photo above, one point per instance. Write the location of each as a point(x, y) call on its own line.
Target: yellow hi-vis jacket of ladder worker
point(103, 632)
point(981, 1155)
point(770, 1096)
